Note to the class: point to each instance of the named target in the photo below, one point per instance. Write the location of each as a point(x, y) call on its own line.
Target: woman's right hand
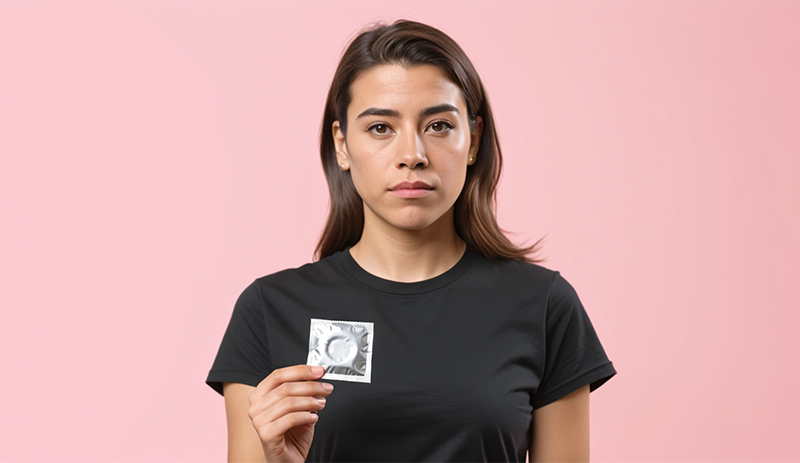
point(283, 408)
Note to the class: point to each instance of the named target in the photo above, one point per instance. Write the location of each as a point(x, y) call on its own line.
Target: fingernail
point(321, 401)
point(327, 386)
point(317, 370)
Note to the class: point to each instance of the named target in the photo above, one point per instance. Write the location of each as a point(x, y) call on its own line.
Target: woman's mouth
point(412, 189)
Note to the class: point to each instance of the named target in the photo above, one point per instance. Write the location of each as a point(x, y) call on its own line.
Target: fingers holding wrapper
point(343, 348)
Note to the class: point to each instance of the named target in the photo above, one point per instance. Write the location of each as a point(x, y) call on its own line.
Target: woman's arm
point(244, 444)
point(561, 429)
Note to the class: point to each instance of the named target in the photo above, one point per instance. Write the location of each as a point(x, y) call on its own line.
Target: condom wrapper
point(343, 348)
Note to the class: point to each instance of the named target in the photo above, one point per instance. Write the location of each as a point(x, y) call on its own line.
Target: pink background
point(159, 156)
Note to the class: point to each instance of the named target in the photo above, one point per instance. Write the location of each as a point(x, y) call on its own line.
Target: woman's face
point(408, 145)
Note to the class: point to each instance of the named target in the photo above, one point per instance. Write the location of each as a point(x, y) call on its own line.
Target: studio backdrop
point(158, 156)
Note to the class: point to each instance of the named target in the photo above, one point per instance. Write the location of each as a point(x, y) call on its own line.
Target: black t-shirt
point(459, 362)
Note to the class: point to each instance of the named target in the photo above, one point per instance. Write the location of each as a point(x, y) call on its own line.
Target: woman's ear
point(339, 142)
point(475, 140)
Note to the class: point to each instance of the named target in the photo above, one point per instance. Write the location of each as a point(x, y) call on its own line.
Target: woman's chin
point(419, 223)
point(410, 219)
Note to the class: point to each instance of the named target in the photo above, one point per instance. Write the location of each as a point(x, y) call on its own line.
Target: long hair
point(409, 43)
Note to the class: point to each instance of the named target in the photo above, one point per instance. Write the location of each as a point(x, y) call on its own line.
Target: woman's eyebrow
point(379, 112)
point(441, 108)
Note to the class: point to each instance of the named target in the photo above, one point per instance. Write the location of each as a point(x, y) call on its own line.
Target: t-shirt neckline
point(357, 273)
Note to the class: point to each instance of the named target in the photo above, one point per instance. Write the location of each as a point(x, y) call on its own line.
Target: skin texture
point(403, 125)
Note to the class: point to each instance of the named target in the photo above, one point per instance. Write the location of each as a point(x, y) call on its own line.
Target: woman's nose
point(411, 151)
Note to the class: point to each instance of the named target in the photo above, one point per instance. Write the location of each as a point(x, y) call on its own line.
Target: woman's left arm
point(561, 429)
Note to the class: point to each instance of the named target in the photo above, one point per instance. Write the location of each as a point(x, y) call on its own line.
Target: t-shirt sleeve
point(574, 356)
point(243, 355)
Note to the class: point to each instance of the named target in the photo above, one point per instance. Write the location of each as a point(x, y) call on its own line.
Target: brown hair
point(409, 43)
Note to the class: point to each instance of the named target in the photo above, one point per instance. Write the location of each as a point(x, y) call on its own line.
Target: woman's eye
point(380, 129)
point(440, 126)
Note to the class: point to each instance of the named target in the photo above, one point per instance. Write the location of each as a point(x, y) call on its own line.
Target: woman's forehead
point(403, 89)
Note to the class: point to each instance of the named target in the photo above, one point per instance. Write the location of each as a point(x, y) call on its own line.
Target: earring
point(342, 166)
point(471, 159)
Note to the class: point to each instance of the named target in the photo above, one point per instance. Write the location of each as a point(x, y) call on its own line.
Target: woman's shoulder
point(519, 273)
point(305, 279)
point(517, 268)
point(317, 271)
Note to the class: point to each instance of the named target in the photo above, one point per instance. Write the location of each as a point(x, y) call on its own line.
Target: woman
point(444, 340)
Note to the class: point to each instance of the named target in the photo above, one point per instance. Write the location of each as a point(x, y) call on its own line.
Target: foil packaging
point(343, 348)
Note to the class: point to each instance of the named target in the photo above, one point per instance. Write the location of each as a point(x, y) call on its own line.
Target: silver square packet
point(343, 348)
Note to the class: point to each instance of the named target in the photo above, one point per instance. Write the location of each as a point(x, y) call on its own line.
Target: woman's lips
point(412, 189)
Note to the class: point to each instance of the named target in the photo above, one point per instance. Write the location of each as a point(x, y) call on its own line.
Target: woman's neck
point(409, 255)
